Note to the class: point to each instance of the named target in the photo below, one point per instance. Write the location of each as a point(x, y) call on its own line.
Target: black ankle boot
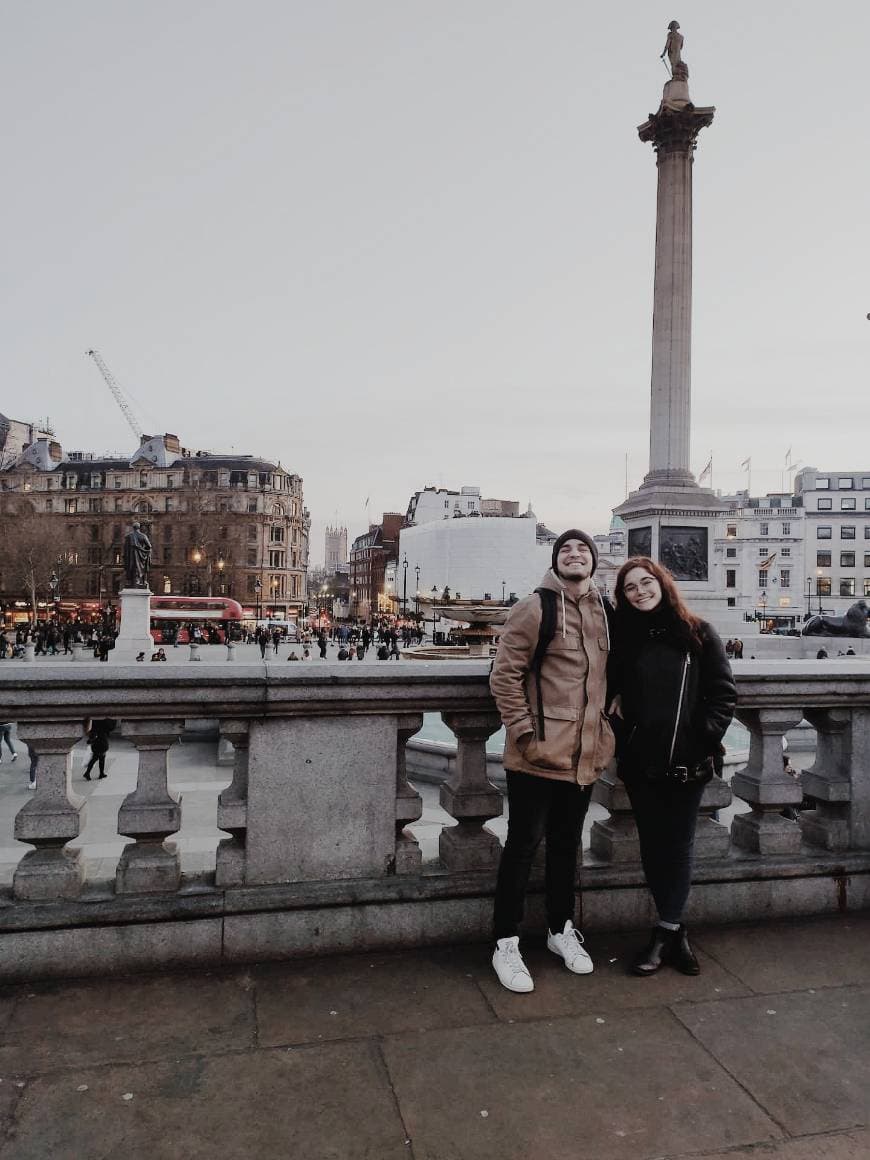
point(682, 955)
point(657, 952)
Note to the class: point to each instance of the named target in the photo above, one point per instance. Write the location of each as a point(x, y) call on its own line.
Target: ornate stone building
point(231, 525)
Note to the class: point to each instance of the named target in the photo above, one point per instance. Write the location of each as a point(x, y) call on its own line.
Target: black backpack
point(546, 632)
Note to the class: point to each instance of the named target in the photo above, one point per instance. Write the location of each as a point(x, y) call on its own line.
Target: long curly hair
point(673, 607)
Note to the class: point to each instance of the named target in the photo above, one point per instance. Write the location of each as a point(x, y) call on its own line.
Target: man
point(558, 743)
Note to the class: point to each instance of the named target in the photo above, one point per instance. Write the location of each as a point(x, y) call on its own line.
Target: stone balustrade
point(320, 854)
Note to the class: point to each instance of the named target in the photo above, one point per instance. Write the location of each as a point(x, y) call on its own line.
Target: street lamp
point(809, 594)
point(434, 598)
point(503, 583)
point(258, 588)
point(819, 588)
point(762, 600)
point(405, 586)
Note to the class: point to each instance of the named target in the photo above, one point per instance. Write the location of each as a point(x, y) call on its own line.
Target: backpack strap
point(545, 635)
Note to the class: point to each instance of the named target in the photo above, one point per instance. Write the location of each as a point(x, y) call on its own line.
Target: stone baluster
point(194, 651)
point(859, 764)
point(150, 813)
point(712, 839)
point(614, 839)
point(409, 804)
point(232, 811)
point(827, 780)
point(470, 797)
point(766, 786)
point(52, 817)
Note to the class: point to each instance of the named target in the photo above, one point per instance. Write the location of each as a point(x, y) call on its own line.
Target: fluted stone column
point(150, 813)
point(672, 132)
point(470, 797)
point(409, 804)
point(766, 786)
point(52, 817)
point(232, 811)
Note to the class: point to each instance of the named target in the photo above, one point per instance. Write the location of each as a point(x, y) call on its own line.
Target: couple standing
point(656, 675)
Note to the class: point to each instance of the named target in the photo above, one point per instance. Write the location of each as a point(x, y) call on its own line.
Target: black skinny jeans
point(539, 807)
point(666, 813)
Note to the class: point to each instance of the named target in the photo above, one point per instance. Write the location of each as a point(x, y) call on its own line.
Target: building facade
point(369, 556)
point(335, 549)
point(837, 537)
point(230, 525)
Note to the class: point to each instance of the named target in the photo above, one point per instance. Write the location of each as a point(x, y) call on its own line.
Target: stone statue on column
point(137, 558)
point(673, 50)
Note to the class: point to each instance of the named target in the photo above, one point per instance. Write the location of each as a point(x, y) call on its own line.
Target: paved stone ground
point(423, 1055)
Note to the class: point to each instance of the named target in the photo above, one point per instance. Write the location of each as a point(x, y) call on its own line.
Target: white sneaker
point(569, 945)
point(509, 966)
point(31, 785)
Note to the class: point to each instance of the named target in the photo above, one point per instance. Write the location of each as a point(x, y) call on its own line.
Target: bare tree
point(33, 552)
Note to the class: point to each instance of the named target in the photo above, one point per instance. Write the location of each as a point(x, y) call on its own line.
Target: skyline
point(401, 247)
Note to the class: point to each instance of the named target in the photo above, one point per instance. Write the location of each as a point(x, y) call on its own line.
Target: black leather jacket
point(677, 702)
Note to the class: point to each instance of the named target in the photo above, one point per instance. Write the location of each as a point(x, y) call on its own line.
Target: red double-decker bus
point(175, 617)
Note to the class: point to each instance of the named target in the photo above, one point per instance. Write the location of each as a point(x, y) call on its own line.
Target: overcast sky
point(395, 243)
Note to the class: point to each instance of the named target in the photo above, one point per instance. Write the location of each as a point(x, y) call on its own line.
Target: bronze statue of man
point(137, 558)
point(673, 46)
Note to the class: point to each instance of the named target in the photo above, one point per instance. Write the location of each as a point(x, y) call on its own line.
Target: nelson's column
point(670, 517)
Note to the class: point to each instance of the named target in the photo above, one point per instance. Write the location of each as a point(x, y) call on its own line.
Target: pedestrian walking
point(6, 735)
point(676, 698)
point(98, 739)
point(549, 683)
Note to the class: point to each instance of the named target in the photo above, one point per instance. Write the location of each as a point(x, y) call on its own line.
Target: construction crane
point(116, 391)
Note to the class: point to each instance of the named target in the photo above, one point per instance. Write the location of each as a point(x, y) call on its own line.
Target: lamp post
point(258, 588)
point(405, 586)
point(503, 585)
point(809, 594)
point(819, 588)
point(434, 598)
point(762, 600)
point(221, 564)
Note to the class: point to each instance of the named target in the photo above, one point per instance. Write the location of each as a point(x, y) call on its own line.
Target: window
point(95, 505)
point(847, 531)
point(848, 503)
point(276, 559)
point(847, 585)
point(252, 506)
point(117, 482)
point(865, 481)
point(867, 559)
point(825, 503)
point(276, 534)
point(143, 479)
point(222, 533)
point(94, 553)
point(71, 505)
point(822, 483)
point(252, 557)
point(731, 553)
point(786, 529)
point(119, 505)
point(49, 505)
point(730, 577)
point(252, 532)
point(731, 602)
point(867, 503)
point(785, 551)
point(785, 578)
point(823, 532)
point(762, 552)
point(762, 579)
point(847, 559)
point(167, 553)
point(763, 529)
point(867, 531)
point(867, 585)
point(168, 504)
point(170, 481)
point(823, 586)
point(823, 559)
point(845, 483)
point(167, 532)
point(731, 532)
point(251, 586)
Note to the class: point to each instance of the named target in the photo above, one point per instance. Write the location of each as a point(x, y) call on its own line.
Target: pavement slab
point(840, 1146)
point(559, 992)
point(628, 1086)
point(363, 995)
point(321, 1103)
point(79, 1024)
point(805, 1056)
point(785, 956)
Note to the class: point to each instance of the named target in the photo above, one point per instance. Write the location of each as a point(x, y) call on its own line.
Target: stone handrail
point(319, 855)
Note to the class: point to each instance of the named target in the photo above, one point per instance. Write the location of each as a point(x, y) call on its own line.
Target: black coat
point(677, 700)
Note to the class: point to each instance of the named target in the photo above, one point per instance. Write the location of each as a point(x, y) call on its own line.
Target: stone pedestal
point(470, 797)
point(232, 813)
point(134, 635)
point(150, 814)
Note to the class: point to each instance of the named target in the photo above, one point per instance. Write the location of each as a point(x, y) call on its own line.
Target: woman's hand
point(614, 709)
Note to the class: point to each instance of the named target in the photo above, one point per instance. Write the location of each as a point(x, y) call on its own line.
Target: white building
point(476, 558)
point(836, 546)
point(440, 503)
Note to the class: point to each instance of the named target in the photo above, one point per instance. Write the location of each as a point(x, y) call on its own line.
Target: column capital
point(673, 130)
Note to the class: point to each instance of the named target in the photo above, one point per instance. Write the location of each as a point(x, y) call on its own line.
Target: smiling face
point(574, 561)
point(642, 590)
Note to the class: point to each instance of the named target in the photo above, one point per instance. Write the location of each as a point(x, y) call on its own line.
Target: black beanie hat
point(575, 534)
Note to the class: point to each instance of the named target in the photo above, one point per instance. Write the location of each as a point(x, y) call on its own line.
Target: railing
point(319, 853)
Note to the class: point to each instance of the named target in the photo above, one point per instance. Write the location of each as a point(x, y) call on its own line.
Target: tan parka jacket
point(578, 742)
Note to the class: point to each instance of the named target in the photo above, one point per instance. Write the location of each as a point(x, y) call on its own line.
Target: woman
point(676, 699)
point(98, 739)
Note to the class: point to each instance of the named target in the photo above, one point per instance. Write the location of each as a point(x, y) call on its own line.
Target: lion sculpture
point(854, 623)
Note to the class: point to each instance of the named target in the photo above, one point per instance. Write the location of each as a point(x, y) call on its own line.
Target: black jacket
point(677, 700)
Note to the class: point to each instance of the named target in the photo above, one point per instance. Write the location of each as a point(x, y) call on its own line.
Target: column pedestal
point(134, 636)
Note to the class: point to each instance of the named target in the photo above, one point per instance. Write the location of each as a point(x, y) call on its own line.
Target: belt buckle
point(682, 773)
